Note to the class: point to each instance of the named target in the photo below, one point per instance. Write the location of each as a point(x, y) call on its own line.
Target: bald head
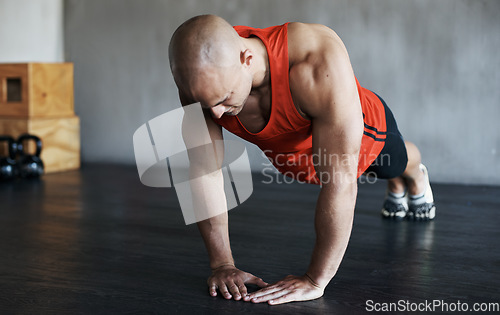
point(201, 43)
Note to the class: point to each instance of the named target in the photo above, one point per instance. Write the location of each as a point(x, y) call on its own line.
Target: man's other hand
point(231, 282)
point(290, 289)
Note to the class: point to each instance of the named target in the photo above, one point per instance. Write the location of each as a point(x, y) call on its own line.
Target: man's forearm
point(216, 237)
point(209, 197)
point(333, 224)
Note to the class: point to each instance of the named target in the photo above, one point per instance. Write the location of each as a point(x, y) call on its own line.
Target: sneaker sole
point(400, 215)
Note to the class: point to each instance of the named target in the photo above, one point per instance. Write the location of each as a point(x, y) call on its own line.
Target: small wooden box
point(60, 138)
point(36, 90)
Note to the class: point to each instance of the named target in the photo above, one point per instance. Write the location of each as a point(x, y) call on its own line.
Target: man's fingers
point(269, 295)
point(235, 290)
point(242, 288)
point(258, 281)
point(291, 288)
point(267, 290)
point(282, 299)
point(232, 285)
point(212, 289)
point(224, 291)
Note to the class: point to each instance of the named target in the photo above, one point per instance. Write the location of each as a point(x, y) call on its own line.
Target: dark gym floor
point(98, 241)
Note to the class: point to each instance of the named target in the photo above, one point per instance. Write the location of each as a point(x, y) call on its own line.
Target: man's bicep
point(338, 131)
point(335, 151)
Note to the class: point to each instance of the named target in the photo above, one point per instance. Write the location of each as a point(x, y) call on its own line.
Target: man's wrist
point(320, 281)
point(221, 265)
point(313, 282)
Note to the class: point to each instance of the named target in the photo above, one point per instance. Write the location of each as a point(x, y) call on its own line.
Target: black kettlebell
point(8, 165)
point(30, 166)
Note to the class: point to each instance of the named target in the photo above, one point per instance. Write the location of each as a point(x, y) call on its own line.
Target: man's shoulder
point(319, 67)
point(306, 42)
point(314, 48)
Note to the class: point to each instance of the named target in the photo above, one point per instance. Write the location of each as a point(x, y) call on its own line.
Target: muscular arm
point(337, 133)
point(208, 191)
point(332, 102)
point(209, 196)
point(323, 86)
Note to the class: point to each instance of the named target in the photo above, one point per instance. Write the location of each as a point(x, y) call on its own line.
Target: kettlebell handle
point(26, 136)
point(12, 146)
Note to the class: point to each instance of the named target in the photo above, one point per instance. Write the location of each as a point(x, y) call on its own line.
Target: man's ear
point(246, 57)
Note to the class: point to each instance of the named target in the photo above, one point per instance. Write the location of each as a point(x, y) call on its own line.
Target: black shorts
point(392, 160)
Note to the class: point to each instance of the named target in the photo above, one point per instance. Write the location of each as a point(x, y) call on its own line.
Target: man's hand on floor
point(291, 288)
point(230, 281)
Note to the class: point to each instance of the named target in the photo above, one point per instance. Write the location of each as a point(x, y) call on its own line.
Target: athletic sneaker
point(395, 205)
point(421, 207)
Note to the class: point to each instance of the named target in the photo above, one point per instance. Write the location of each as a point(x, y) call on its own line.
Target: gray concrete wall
point(435, 62)
point(31, 31)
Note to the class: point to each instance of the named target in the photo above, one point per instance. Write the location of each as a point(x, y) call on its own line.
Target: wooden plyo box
point(60, 138)
point(36, 90)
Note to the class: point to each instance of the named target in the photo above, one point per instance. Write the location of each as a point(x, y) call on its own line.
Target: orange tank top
point(287, 138)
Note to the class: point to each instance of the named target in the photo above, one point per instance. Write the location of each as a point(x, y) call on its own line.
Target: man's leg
point(413, 186)
point(409, 193)
point(413, 178)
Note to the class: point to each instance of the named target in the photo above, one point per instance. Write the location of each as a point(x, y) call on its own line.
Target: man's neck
point(260, 67)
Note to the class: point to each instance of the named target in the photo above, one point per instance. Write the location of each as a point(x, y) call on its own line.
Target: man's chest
point(257, 112)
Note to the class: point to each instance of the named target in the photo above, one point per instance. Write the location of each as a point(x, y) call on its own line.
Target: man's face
point(222, 91)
